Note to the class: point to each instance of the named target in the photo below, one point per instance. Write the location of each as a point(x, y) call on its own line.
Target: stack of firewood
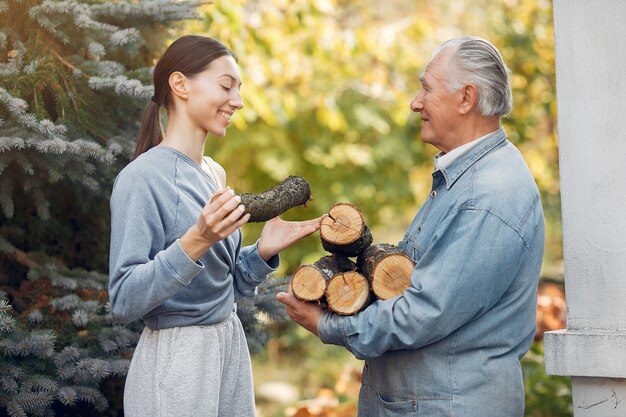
point(341, 284)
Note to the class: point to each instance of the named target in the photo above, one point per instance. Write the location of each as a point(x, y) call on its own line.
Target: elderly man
point(450, 345)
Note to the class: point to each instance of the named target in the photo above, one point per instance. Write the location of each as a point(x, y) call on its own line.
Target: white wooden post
point(590, 48)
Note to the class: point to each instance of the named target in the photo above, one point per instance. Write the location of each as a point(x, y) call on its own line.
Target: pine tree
point(74, 77)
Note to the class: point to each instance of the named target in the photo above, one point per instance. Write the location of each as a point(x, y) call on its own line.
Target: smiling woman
point(176, 257)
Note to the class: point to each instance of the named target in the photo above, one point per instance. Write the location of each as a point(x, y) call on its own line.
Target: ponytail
point(150, 132)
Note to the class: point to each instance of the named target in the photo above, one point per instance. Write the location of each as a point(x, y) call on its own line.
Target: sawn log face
point(309, 282)
point(387, 268)
point(347, 293)
point(344, 231)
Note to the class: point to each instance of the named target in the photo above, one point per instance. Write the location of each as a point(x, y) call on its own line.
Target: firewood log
point(344, 231)
point(387, 268)
point(291, 192)
point(347, 293)
point(308, 283)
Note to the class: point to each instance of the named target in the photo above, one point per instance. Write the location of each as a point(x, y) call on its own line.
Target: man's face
point(438, 108)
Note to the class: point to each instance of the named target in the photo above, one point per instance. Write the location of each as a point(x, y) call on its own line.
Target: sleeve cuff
point(257, 265)
point(180, 264)
point(331, 329)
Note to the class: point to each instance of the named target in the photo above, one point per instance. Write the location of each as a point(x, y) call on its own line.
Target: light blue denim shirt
point(155, 200)
point(450, 345)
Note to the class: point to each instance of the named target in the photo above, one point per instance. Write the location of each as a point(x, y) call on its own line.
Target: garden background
point(326, 89)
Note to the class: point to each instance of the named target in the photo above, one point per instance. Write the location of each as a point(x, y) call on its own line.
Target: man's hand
point(305, 314)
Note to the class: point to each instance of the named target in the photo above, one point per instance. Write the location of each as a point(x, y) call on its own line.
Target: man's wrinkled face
point(438, 107)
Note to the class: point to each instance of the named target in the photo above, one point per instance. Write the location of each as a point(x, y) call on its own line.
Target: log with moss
point(291, 192)
point(344, 230)
point(309, 282)
point(387, 268)
point(347, 293)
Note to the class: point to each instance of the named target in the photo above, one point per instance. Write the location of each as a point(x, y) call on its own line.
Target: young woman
point(176, 259)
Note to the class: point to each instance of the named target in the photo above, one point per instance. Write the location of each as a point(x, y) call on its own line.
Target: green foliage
point(546, 396)
point(327, 87)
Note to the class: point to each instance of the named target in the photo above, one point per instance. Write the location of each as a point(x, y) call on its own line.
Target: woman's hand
point(219, 218)
point(278, 234)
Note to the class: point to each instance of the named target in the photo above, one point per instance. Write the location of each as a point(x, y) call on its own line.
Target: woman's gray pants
point(194, 371)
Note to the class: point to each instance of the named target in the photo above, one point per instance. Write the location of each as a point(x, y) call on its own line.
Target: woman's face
point(214, 96)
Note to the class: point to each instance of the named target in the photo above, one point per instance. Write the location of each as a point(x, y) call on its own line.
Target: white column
point(590, 48)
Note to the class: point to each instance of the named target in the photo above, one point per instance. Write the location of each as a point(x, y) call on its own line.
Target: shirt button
point(433, 194)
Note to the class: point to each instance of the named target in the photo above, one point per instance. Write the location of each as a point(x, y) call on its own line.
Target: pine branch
point(7, 323)
point(70, 68)
point(9, 384)
point(93, 397)
point(67, 396)
point(30, 401)
point(156, 10)
point(38, 343)
point(40, 383)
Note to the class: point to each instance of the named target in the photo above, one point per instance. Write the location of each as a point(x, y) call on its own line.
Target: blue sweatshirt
point(155, 200)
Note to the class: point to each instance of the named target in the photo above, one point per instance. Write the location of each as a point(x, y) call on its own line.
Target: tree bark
point(387, 268)
point(291, 192)
point(347, 293)
point(309, 282)
point(344, 231)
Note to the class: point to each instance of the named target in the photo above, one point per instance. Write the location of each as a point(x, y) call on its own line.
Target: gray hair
point(478, 62)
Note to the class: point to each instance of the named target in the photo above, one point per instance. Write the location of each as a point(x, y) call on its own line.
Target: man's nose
point(416, 104)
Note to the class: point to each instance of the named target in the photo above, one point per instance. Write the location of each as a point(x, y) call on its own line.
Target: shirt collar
point(457, 161)
point(443, 160)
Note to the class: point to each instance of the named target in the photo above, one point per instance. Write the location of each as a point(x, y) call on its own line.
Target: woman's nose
point(237, 101)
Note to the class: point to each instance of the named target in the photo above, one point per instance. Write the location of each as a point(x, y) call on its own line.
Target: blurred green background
point(327, 87)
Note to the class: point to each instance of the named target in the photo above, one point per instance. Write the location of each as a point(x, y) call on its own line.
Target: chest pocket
point(411, 247)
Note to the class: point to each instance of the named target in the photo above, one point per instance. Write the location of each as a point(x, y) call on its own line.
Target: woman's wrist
point(194, 244)
point(262, 252)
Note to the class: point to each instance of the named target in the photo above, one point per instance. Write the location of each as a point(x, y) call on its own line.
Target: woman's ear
point(469, 98)
point(178, 85)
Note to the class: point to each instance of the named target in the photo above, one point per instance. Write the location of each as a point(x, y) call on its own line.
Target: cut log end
point(347, 293)
point(343, 225)
point(391, 276)
point(308, 284)
point(344, 231)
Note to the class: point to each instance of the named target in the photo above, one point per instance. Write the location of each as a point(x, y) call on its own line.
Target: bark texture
point(291, 192)
point(309, 282)
point(387, 268)
point(347, 293)
point(344, 230)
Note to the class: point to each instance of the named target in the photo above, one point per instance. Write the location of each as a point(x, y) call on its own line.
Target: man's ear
point(469, 98)
point(178, 85)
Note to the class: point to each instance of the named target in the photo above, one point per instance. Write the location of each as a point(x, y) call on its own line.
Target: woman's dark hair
point(189, 55)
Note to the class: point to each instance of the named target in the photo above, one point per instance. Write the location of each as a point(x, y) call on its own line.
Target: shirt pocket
point(411, 248)
point(391, 406)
